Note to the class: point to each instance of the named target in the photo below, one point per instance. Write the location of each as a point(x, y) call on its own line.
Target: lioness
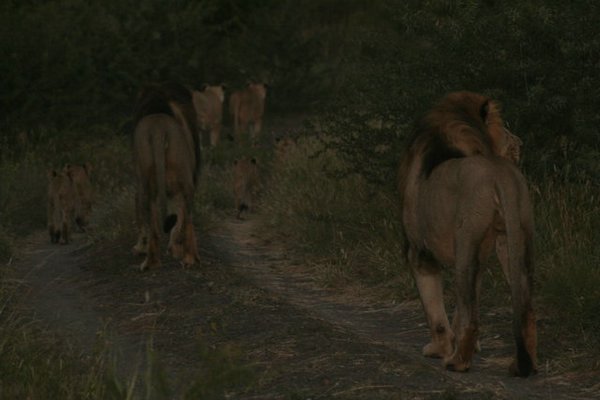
point(61, 201)
point(167, 159)
point(245, 184)
point(247, 107)
point(80, 176)
point(208, 103)
point(461, 196)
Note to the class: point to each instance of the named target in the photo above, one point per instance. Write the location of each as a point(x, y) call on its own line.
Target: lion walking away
point(247, 107)
point(461, 196)
point(166, 151)
point(84, 194)
point(245, 184)
point(61, 206)
point(208, 103)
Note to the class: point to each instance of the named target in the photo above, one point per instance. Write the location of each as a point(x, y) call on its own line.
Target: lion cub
point(61, 203)
point(80, 176)
point(245, 184)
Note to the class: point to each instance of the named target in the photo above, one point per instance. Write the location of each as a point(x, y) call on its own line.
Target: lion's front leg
point(141, 246)
point(190, 248)
point(65, 225)
point(429, 283)
point(256, 130)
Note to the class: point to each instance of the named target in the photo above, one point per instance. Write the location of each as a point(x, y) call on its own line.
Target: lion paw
point(436, 350)
point(456, 364)
point(138, 250)
point(188, 261)
point(147, 264)
point(514, 370)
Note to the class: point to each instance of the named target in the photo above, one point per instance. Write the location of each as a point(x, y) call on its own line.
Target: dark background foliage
point(369, 68)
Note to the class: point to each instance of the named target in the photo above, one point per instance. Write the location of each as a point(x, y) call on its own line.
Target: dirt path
point(302, 341)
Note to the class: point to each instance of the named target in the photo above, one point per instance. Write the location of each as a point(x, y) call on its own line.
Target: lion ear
point(203, 87)
point(484, 110)
point(51, 173)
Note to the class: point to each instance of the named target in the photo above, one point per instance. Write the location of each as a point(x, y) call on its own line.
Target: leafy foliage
point(537, 58)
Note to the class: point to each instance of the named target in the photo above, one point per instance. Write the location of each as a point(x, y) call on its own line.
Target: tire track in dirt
point(399, 327)
point(80, 300)
point(56, 290)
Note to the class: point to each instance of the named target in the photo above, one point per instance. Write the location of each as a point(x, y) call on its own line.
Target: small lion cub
point(61, 204)
point(84, 195)
point(245, 184)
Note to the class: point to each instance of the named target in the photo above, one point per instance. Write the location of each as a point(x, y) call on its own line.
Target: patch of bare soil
point(302, 341)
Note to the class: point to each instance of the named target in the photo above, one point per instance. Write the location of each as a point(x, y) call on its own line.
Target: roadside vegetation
point(364, 71)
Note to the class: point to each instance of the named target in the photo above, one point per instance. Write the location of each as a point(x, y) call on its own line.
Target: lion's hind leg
point(428, 277)
point(466, 317)
point(153, 254)
point(182, 239)
point(141, 246)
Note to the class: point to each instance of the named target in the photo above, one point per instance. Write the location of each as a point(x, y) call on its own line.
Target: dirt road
point(251, 301)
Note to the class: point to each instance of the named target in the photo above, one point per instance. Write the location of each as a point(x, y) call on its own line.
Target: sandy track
point(303, 341)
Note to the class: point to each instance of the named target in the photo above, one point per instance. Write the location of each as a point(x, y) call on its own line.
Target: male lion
point(245, 184)
point(61, 199)
point(80, 176)
point(461, 196)
point(247, 107)
point(167, 160)
point(208, 103)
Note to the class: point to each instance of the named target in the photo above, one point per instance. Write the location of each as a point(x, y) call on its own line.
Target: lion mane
point(461, 195)
point(461, 124)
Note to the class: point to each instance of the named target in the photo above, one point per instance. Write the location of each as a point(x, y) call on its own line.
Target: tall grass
point(568, 261)
point(343, 224)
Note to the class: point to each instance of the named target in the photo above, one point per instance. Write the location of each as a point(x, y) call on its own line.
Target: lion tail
point(159, 145)
point(519, 236)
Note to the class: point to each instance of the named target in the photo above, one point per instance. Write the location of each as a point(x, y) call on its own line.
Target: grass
point(36, 364)
point(344, 225)
point(568, 226)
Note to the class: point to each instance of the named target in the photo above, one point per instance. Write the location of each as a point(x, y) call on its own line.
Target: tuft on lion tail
point(519, 242)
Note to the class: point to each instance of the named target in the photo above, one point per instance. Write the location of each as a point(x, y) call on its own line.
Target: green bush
point(535, 57)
